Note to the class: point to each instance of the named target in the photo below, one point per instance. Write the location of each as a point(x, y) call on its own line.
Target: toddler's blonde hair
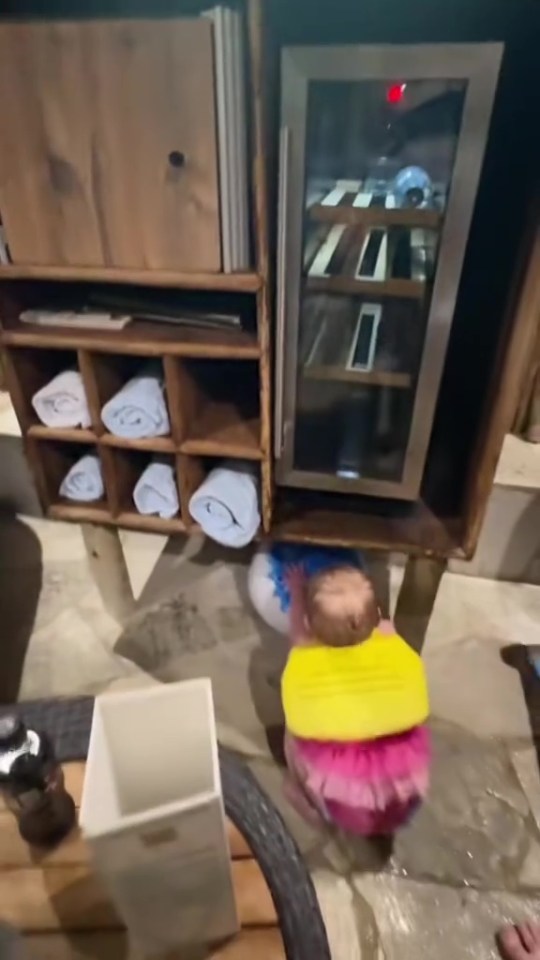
point(341, 606)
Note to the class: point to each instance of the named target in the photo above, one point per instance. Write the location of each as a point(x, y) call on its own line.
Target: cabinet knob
point(177, 159)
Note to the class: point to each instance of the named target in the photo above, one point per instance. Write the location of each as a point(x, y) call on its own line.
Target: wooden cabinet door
point(108, 152)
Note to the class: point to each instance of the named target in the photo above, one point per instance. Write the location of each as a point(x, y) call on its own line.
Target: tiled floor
point(470, 859)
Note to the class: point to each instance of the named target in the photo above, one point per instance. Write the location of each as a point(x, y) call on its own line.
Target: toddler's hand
point(295, 578)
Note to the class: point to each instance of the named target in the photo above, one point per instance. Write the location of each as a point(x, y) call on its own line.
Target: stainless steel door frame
point(479, 65)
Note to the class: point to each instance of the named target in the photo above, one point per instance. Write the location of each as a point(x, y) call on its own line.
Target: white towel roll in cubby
point(62, 402)
point(139, 409)
point(226, 505)
point(156, 491)
point(83, 483)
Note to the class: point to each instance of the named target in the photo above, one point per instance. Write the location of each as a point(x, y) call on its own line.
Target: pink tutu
point(368, 788)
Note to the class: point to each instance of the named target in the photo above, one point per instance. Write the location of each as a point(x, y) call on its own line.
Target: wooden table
point(58, 903)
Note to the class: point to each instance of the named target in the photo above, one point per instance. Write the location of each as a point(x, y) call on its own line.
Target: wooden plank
point(182, 396)
point(138, 521)
point(262, 154)
point(140, 338)
point(21, 854)
point(96, 174)
point(261, 135)
point(15, 852)
point(263, 944)
point(150, 444)
point(66, 434)
point(86, 364)
point(79, 513)
point(193, 280)
point(422, 533)
point(516, 347)
point(190, 472)
point(413, 289)
point(63, 898)
point(108, 472)
point(376, 216)
point(375, 378)
point(71, 897)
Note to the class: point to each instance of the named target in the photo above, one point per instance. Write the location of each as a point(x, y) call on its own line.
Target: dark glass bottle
point(32, 782)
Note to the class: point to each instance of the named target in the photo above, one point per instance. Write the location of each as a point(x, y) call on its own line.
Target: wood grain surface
point(262, 201)
point(91, 113)
point(140, 338)
point(385, 288)
point(376, 216)
point(239, 282)
point(112, 945)
point(516, 348)
point(57, 900)
point(72, 897)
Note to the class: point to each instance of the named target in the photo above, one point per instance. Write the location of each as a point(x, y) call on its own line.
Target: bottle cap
point(12, 732)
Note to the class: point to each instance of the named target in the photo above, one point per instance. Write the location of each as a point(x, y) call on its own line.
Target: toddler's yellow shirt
point(361, 692)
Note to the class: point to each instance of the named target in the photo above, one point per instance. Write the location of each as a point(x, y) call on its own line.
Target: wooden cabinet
point(109, 176)
point(108, 152)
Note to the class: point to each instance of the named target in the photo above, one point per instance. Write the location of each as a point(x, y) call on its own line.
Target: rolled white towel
point(139, 408)
point(83, 482)
point(156, 491)
point(226, 504)
point(62, 402)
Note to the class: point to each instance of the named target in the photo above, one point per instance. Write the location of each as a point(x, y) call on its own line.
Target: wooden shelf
point(80, 512)
point(139, 521)
point(413, 289)
point(376, 216)
point(373, 378)
point(106, 360)
point(233, 282)
point(149, 444)
point(66, 434)
point(298, 518)
point(87, 513)
point(141, 338)
point(218, 431)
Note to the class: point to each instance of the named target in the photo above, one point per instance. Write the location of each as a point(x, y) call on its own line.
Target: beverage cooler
point(380, 158)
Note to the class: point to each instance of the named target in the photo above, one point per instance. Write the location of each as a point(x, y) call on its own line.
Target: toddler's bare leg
point(297, 798)
point(295, 793)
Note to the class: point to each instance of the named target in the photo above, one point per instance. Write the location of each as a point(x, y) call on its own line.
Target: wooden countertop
point(58, 903)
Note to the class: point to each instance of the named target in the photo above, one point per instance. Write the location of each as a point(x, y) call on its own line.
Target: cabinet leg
point(417, 598)
point(109, 570)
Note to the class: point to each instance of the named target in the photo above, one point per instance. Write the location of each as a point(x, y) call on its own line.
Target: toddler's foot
point(520, 942)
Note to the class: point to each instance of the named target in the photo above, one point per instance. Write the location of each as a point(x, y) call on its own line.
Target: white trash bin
point(152, 813)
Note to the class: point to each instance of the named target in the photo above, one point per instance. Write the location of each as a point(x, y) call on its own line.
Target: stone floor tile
point(469, 684)
point(423, 921)
point(474, 826)
point(341, 920)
